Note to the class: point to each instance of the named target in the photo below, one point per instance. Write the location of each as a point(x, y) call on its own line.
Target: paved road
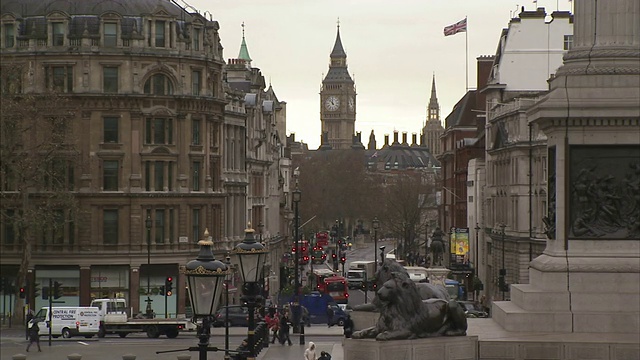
point(12, 341)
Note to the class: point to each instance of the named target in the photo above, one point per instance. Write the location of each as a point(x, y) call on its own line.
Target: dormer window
point(110, 34)
point(160, 34)
point(9, 36)
point(57, 30)
point(196, 39)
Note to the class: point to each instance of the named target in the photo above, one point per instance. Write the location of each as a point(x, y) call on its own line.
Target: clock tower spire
point(338, 99)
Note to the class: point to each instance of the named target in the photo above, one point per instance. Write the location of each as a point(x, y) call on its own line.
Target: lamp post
point(260, 230)
point(297, 196)
point(251, 256)
point(376, 225)
point(227, 281)
point(337, 232)
point(205, 276)
point(475, 265)
point(503, 270)
point(426, 240)
point(148, 224)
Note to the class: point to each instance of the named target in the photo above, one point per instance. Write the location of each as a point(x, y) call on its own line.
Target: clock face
point(352, 104)
point(332, 103)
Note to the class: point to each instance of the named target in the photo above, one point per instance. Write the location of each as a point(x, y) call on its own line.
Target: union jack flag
point(460, 26)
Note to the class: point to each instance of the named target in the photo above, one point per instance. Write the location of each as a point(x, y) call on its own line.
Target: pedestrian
point(273, 322)
point(284, 330)
point(34, 336)
point(324, 356)
point(329, 315)
point(30, 315)
point(348, 326)
point(310, 352)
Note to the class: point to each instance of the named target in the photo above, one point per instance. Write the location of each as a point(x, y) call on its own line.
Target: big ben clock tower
point(338, 100)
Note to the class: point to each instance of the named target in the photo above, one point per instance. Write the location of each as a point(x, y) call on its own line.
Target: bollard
point(74, 356)
point(302, 333)
point(128, 357)
point(19, 357)
point(184, 357)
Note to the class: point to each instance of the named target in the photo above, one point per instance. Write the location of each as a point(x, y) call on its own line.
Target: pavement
point(325, 338)
point(112, 347)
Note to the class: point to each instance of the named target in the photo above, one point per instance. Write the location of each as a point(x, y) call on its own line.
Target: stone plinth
point(437, 275)
point(436, 348)
point(364, 319)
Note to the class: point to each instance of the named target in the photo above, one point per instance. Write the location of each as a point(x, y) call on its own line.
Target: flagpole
point(466, 54)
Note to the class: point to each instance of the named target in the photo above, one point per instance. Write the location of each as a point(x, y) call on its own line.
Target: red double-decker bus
point(303, 252)
point(322, 239)
point(337, 288)
point(319, 277)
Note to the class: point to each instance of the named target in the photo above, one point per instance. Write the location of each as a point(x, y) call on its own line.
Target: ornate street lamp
point(297, 196)
point(148, 224)
point(251, 256)
point(503, 271)
point(205, 276)
point(227, 281)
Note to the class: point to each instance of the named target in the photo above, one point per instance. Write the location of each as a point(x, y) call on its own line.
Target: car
point(473, 310)
point(238, 316)
point(339, 315)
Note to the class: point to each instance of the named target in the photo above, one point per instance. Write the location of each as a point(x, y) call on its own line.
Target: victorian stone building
point(167, 147)
point(514, 195)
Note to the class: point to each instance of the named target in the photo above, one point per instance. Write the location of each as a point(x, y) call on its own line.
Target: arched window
point(158, 84)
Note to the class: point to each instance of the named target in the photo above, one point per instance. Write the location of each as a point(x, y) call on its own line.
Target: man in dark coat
point(34, 336)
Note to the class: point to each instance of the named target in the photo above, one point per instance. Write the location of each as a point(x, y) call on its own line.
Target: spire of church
point(338, 51)
point(433, 110)
point(244, 52)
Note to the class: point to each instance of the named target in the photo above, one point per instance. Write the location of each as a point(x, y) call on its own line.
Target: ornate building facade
point(168, 147)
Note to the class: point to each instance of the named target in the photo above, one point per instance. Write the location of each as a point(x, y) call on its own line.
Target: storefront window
point(70, 285)
point(110, 282)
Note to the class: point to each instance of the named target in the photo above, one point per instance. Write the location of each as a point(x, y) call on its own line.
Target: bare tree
point(38, 158)
point(335, 185)
point(406, 198)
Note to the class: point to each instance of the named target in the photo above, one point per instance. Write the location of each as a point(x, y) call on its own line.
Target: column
point(134, 290)
point(85, 285)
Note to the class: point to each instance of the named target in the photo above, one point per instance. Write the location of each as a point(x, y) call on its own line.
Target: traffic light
point(23, 292)
point(162, 290)
point(36, 290)
point(168, 286)
point(3, 284)
point(57, 290)
point(343, 260)
point(45, 293)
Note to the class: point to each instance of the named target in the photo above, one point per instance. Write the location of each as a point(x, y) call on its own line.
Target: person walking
point(310, 352)
point(34, 336)
point(273, 323)
point(329, 316)
point(348, 326)
point(284, 330)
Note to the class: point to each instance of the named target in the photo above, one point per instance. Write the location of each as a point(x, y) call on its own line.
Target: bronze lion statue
point(404, 315)
point(389, 266)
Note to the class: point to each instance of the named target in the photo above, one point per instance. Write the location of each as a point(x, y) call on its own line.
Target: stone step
point(529, 297)
point(514, 318)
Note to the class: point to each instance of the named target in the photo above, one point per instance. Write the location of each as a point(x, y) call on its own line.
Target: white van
point(68, 321)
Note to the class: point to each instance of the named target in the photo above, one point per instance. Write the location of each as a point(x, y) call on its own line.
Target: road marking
point(83, 343)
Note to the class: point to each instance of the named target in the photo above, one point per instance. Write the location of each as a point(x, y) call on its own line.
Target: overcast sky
point(393, 50)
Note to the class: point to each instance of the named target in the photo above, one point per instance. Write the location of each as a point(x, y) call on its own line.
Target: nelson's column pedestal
point(585, 287)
